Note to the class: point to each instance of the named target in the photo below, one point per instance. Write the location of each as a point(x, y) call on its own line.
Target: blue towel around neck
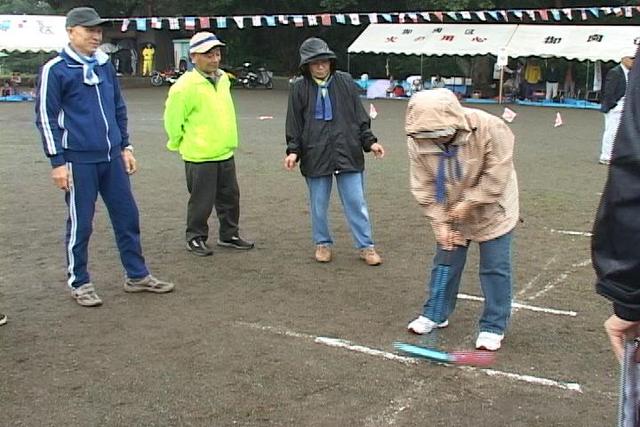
point(324, 110)
point(441, 177)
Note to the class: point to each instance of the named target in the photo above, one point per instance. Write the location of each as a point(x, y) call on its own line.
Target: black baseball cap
point(85, 17)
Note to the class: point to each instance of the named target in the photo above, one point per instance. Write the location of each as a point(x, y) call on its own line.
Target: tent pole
point(586, 85)
point(421, 75)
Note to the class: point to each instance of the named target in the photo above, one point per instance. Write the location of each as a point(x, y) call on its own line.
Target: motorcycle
point(248, 78)
point(158, 78)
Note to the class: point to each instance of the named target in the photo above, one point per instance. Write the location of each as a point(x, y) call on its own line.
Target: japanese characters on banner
point(327, 19)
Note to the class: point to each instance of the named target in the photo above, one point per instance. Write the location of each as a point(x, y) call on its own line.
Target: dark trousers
point(209, 184)
point(110, 180)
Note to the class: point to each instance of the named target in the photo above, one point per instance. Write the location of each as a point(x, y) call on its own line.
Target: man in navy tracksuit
point(83, 121)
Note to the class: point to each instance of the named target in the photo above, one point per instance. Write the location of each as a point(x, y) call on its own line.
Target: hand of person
point(290, 161)
point(378, 150)
point(61, 178)
point(444, 236)
point(620, 330)
point(130, 164)
point(460, 211)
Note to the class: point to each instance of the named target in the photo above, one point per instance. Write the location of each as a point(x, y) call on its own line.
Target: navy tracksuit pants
point(111, 181)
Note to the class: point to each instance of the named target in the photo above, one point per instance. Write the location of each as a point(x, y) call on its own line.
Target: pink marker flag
point(372, 111)
point(508, 115)
point(558, 120)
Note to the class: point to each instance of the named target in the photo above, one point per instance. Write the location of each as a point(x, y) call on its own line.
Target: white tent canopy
point(433, 39)
point(32, 33)
point(586, 42)
point(581, 42)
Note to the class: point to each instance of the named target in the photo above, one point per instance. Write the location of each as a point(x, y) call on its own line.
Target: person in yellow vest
point(147, 59)
point(200, 121)
point(532, 76)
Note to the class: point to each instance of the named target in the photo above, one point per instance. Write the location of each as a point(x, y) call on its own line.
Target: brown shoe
point(323, 253)
point(370, 256)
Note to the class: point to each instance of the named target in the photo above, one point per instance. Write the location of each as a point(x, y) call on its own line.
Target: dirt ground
point(235, 344)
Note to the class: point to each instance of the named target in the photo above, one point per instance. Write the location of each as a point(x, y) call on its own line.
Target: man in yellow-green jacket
point(200, 120)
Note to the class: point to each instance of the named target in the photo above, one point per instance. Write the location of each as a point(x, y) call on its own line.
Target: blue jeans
point(495, 280)
point(351, 190)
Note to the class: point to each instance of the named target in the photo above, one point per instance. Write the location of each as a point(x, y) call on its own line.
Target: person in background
point(148, 52)
point(569, 84)
point(438, 82)
point(532, 76)
point(462, 174)
point(200, 121)
point(77, 88)
point(612, 104)
point(552, 79)
point(327, 131)
point(616, 230)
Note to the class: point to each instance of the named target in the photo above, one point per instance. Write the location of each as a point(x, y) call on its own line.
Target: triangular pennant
point(595, 11)
point(532, 14)
point(256, 21)
point(271, 21)
point(439, 15)
point(298, 21)
point(412, 16)
point(401, 18)
point(508, 115)
point(141, 24)
point(480, 15)
point(453, 15)
point(355, 18)
point(628, 12)
point(372, 112)
point(544, 14)
point(189, 23)
point(205, 22)
point(569, 13)
point(426, 16)
point(221, 22)
point(493, 14)
point(125, 25)
point(387, 17)
point(283, 19)
point(558, 121)
point(556, 14)
point(373, 18)
point(606, 10)
point(518, 14)
point(504, 15)
point(312, 20)
point(325, 19)
point(583, 14)
point(156, 23)
point(340, 19)
point(174, 24)
point(239, 20)
point(617, 11)
point(465, 15)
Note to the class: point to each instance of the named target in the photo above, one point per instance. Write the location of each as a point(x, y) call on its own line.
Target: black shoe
point(236, 243)
point(199, 247)
point(3, 319)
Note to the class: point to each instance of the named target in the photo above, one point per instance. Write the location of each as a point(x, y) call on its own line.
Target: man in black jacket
point(612, 103)
point(327, 131)
point(616, 233)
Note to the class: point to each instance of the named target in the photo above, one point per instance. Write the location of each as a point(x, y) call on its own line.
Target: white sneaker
point(423, 325)
point(489, 341)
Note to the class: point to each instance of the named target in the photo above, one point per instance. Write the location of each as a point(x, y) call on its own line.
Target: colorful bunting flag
point(325, 19)
point(518, 14)
point(627, 12)
point(426, 16)
point(221, 22)
point(256, 21)
point(567, 11)
point(340, 19)
point(387, 17)
point(373, 18)
point(583, 14)
point(532, 14)
point(141, 24)
point(125, 25)
point(313, 20)
point(189, 23)
point(297, 21)
point(504, 15)
point(283, 19)
point(174, 24)
point(355, 18)
point(271, 21)
point(465, 15)
point(204, 22)
point(439, 15)
point(156, 23)
point(452, 15)
point(239, 20)
point(544, 14)
point(555, 13)
point(493, 14)
point(481, 16)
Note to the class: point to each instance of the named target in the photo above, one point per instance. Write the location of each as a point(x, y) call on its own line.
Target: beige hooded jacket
point(485, 155)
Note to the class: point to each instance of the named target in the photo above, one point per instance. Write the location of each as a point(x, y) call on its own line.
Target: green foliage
point(14, 7)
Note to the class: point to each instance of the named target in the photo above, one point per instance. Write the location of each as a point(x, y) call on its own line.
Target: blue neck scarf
point(324, 111)
point(89, 64)
point(441, 177)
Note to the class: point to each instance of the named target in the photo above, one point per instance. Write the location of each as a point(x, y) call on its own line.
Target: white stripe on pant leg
point(73, 215)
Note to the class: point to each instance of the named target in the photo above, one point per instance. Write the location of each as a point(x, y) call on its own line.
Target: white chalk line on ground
point(531, 282)
point(561, 278)
point(348, 345)
point(572, 233)
point(516, 305)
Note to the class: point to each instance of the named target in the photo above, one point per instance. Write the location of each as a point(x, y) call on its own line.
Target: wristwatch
point(129, 148)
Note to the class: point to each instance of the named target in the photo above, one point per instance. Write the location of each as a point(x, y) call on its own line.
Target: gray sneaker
point(147, 284)
point(86, 295)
